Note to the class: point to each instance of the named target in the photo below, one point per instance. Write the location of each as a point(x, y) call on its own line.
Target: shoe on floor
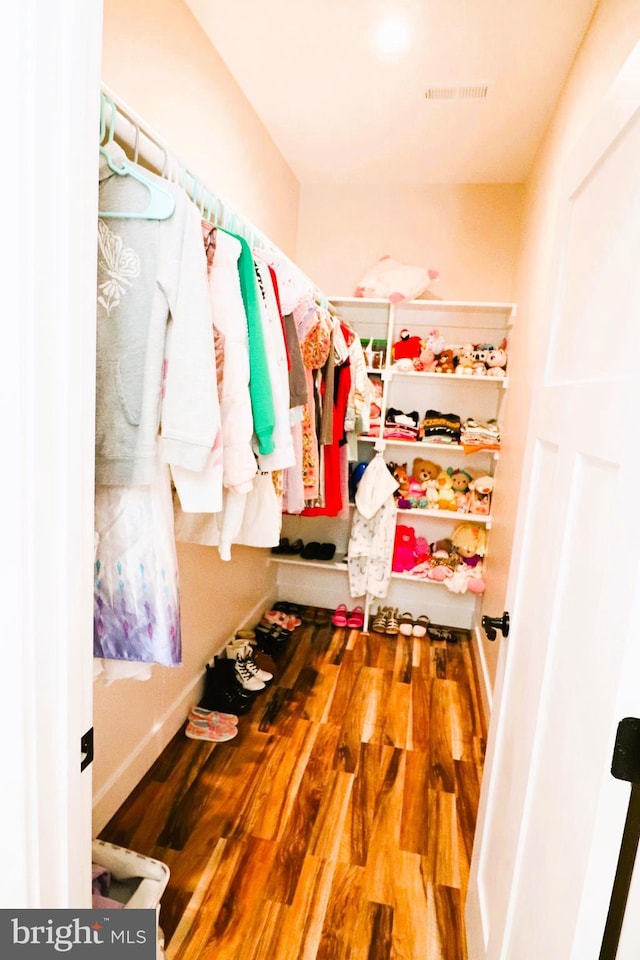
point(214, 732)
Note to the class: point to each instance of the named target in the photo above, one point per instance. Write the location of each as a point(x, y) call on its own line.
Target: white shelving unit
point(480, 397)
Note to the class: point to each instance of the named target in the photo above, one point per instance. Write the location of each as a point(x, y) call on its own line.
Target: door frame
point(51, 55)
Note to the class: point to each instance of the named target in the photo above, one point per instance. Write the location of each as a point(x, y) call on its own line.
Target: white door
point(551, 815)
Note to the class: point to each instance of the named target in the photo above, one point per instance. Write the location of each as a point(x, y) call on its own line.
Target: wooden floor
point(338, 823)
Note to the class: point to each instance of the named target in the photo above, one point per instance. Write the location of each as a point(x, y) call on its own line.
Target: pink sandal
point(355, 620)
point(340, 616)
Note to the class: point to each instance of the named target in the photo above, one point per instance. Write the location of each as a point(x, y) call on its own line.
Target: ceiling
point(340, 111)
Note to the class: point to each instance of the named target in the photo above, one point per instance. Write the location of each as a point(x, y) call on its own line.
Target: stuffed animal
point(407, 349)
point(481, 489)
point(496, 362)
point(426, 362)
point(399, 471)
point(444, 362)
point(435, 342)
point(446, 495)
point(461, 479)
point(404, 549)
point(464, 360)
point(424, 470)
point(470, 542)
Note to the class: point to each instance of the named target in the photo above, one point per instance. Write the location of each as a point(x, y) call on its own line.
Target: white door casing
point(551, 815)
point(50, 70)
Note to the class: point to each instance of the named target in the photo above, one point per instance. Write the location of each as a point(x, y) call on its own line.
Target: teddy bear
point(423, 476)
point(424, 470)
point(461, 480)
point(481, 489)
point(426, 362)
point(404, 549)
point(444, 362)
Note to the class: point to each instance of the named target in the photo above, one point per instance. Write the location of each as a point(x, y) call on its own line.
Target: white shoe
point(240, 649)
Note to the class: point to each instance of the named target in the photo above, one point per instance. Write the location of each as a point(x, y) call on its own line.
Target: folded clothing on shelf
point(401, 426)
point(480, 433)
point(441, 427)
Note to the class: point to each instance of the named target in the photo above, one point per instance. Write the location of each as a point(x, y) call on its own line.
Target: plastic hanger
point(161, 202)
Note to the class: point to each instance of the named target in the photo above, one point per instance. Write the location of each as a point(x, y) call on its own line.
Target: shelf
point(446, 515)
point(455, 377)
point(427, 444)
point(338, 562)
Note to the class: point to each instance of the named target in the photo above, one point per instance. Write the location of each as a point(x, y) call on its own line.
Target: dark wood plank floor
point(338, 823)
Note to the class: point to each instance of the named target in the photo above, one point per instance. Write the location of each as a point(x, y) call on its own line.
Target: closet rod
point(147, 146)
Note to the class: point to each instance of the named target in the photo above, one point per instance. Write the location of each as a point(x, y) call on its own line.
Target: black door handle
point(491, 624)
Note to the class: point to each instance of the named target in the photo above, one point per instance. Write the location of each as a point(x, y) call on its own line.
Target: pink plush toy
point(404, 549)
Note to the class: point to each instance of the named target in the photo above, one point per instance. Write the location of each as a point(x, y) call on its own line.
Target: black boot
point(222, 692)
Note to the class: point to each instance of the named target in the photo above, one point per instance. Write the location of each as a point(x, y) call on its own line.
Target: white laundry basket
point(137, 882)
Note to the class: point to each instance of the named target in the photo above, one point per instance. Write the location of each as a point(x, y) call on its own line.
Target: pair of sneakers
point(211, 725)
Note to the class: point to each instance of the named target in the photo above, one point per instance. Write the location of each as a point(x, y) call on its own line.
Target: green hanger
point(161, 202)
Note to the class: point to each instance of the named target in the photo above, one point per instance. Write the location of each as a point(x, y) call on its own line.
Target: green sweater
point(260, 391)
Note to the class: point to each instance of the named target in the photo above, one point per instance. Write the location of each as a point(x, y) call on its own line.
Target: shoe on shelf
point(296, 546)
point(283, 546)
point(355, 620)
point(340, 616)
point(214, 732)
point(310, 551)
point(326, 551)
point(421, 625)
point(405, 624)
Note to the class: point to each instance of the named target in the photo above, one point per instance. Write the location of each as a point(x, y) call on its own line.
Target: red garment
point(274, 281)
point(332, 452)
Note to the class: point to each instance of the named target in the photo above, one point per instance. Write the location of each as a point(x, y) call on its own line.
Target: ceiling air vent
point(457, 91)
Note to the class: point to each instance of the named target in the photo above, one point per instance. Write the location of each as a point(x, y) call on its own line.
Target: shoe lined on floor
point(420, 626)
point(215, 732)
point(199, 713)
point(242, 650)
point(222, 692)
point(379, 624)
point(393, 627)
point(405, 624)
point(340, 615)
point(355, 620)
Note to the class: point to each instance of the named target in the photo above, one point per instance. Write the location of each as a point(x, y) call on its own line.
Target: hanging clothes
point(370, 551)
point(156, 410)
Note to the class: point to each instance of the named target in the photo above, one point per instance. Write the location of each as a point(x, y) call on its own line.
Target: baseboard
point(121, 783)
point(482, 676)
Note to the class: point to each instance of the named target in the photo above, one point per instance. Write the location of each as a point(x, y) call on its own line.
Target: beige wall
point(156, 58)
point(613, 32)
point(468, 232)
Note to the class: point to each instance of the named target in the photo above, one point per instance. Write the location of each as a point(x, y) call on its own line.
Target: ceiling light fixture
point(392, 37)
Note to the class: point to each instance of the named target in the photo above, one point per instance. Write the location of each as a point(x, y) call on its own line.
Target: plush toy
point(404, 548)
point(469, 541)
point(424, 470)
point(444, 362)
point(407, 347)
point(496, 362)
point(426, 362)
point(463, 358)
point(481, 489)
point(435, 342)
point(399, 471)
point(461, 479)
point(446, 495)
